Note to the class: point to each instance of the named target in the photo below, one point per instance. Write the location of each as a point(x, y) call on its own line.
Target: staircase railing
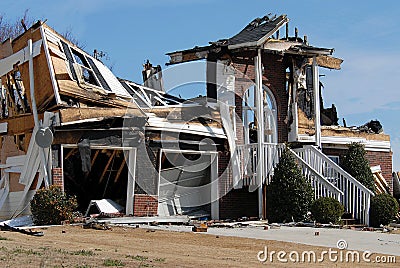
point(321, 186)
point(356, 197)
point(272, 152)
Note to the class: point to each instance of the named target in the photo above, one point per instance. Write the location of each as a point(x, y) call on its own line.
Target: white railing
point(247, 155)
point(321, 186)
point(356, 198)
point(272, 152)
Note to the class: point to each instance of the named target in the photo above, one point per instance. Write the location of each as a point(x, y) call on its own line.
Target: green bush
point(289, 195)
point(384, 208)
point(326, 210)
point(355, 163)
point(52, 206)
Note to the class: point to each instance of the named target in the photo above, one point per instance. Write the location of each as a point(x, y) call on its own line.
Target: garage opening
point(106, 176)
point(185, 183)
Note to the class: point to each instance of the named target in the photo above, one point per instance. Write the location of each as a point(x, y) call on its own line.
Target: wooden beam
point(73, 151)
point(20, 123)
point(108, 164)
point(327, 62)
point(76, 114)
point(120, 170)
point(94, 157)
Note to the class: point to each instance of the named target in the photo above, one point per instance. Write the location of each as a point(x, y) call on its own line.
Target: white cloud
point(367, 82)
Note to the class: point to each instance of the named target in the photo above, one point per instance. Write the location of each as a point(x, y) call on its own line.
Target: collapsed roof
point(260, 34)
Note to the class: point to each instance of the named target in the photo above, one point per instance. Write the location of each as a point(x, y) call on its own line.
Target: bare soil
point(73, 246)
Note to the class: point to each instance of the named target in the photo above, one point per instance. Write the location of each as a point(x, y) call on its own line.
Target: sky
point(366, 34)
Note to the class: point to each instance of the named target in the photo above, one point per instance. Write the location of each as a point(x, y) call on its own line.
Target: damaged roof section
point(261, 33)
point(255, 33)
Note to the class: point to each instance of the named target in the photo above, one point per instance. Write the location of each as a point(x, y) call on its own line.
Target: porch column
point(317, 104)
point(214, 187)
point(259, 99)
point(130, 190)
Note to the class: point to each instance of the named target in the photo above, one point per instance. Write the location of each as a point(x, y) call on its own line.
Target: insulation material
point(230, 134)
point(300, 78)
point(225, 83)
point(104, 206)
point(3, 127)
point(20, 57)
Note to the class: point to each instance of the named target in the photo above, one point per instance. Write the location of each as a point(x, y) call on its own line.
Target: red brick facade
point(233, 203)
point(57, 174)
point(145, 205)
point(384, 159)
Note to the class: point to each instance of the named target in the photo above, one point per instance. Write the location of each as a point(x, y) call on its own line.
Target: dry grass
point(73, 246)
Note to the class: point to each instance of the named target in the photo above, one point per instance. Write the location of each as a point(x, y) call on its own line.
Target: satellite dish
point(44, 137)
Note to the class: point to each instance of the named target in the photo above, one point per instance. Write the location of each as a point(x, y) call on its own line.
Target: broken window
point(83, 68)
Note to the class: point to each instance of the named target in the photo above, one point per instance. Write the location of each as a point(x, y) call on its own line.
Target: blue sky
point(365, 34)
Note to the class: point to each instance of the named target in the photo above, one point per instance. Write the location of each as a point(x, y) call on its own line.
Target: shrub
point(52, 206)
point(289, 195)
point(355, 163)
point(326, 210)
point(384, 208)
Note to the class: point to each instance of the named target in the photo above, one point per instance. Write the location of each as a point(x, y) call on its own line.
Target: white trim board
point(342, 142)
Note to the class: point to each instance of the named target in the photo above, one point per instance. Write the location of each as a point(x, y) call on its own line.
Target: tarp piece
point(85, 153)
point(22, 221)
point(105, 206)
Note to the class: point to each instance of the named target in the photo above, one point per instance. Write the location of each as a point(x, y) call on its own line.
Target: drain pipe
point(38, 124)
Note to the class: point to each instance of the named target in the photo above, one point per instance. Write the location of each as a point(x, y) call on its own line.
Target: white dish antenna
point(44, 137)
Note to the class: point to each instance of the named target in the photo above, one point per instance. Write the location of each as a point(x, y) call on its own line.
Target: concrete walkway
point(376, 242)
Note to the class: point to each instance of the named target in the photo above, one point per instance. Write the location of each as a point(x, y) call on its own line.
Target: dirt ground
point(73, 246)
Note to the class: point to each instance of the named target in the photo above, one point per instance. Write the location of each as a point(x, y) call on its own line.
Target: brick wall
point(274, 77)
point(57, 174)
point(384, 159)
point(233, 203)
point(145, 205)
point(239, 203)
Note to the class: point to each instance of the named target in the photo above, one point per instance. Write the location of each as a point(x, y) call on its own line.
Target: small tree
point(52, 206)
point(289, 195)
point(355, 163)
point(384, 208)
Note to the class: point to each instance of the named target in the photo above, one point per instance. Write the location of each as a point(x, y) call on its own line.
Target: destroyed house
point(67, 120)
point(271, 82)
point(62, 120)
